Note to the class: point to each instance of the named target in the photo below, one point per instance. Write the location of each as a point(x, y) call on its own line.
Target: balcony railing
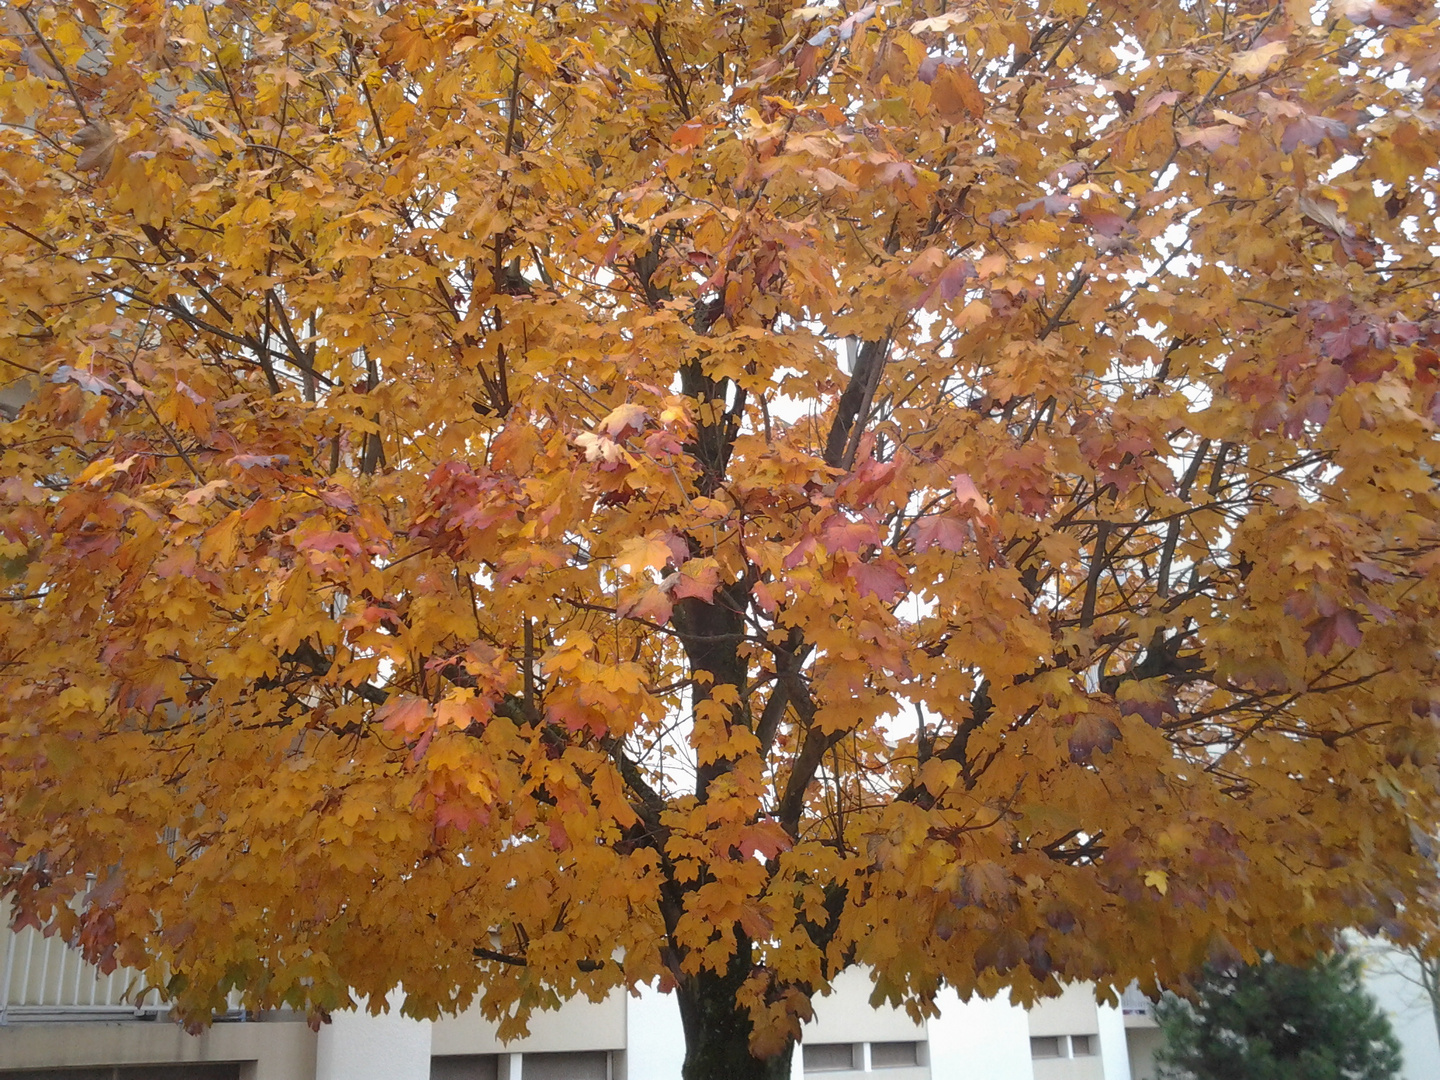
point(43, 978)
point(1138, 1010)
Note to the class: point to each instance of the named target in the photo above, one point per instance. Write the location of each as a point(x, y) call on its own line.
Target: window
point(828, 1057)
point(1059, 1046)
point(894, 1055)
point(581, 1065)
point(465, 1067)
point(1047, 1046)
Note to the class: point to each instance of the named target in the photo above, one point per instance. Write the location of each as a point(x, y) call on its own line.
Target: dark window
point(1047, 1046)
point(1082, 1045)
point(581, 1065)
point(894, 1055)
point(828, 1057)
point(465, 1067)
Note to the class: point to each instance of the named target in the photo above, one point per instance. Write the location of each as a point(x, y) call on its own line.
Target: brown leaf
point(98, 143)
point(1211, 138)
point(1091, 732)
point(955, 94)
point(1311, 131)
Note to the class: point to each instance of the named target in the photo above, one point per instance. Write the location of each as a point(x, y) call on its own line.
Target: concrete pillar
point(978, 1038)
point(1114, 1046)
point(358, 1046)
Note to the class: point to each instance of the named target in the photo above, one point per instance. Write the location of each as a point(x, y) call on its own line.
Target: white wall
point(654, 1039)
point(358, 1046)
point(979, 1040)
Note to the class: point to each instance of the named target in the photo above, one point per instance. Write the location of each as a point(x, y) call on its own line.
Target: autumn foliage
point(528, 498)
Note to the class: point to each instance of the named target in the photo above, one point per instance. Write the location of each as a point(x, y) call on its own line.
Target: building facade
point(60, 1019)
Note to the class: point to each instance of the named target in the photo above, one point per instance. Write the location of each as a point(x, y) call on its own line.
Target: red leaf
point(559, 838)
point(942, 531)
point(652, 604)
point(699, 583)
point(406, 713)
point(798, 553)
point(1105, 222)
point(329, 540)
point(840, 534)
point(766, 837)
point(1343, 627)
point(878, 579)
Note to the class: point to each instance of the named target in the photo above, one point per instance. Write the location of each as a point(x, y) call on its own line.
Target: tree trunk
point(717, 1031)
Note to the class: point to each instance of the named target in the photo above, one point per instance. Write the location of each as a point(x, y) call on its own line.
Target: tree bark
point(717, 1031)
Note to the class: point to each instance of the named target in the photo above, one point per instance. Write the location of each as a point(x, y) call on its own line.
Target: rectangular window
point(828, 1057)
point(894, 1055)
point(1045, 1046)
point(465, 1067)
point(582, 1065)
point(1082, 1045)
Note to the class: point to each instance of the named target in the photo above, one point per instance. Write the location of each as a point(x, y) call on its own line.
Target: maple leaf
point(1311, 130)
point(623, 420)
point(1211, 138)
point(697, 580)
point(643, 553)
point(765, 838)
point(842, 534)
point(1343, 627)
point(97, 142)
point(1090, 733)
point(968, 497)
point(942, 531)
point(878, 579)
point(954, 93)
point(407, 714)
point(1258, 60)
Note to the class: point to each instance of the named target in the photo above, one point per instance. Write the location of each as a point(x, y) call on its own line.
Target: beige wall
point(846, 1016)
point(1085, 1068)
point(1072, 1013)
point(1142, 1043)
point(576, 1025)
point(279, 1050)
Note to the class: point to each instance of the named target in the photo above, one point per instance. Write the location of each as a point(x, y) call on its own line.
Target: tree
point(1271, 1021)
point(531, 498)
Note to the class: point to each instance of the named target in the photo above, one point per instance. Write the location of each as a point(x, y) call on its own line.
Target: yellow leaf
point(1257, 61)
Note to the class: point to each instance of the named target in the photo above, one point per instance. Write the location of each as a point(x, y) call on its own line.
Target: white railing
point(43, 978)
point(1134, 1003)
